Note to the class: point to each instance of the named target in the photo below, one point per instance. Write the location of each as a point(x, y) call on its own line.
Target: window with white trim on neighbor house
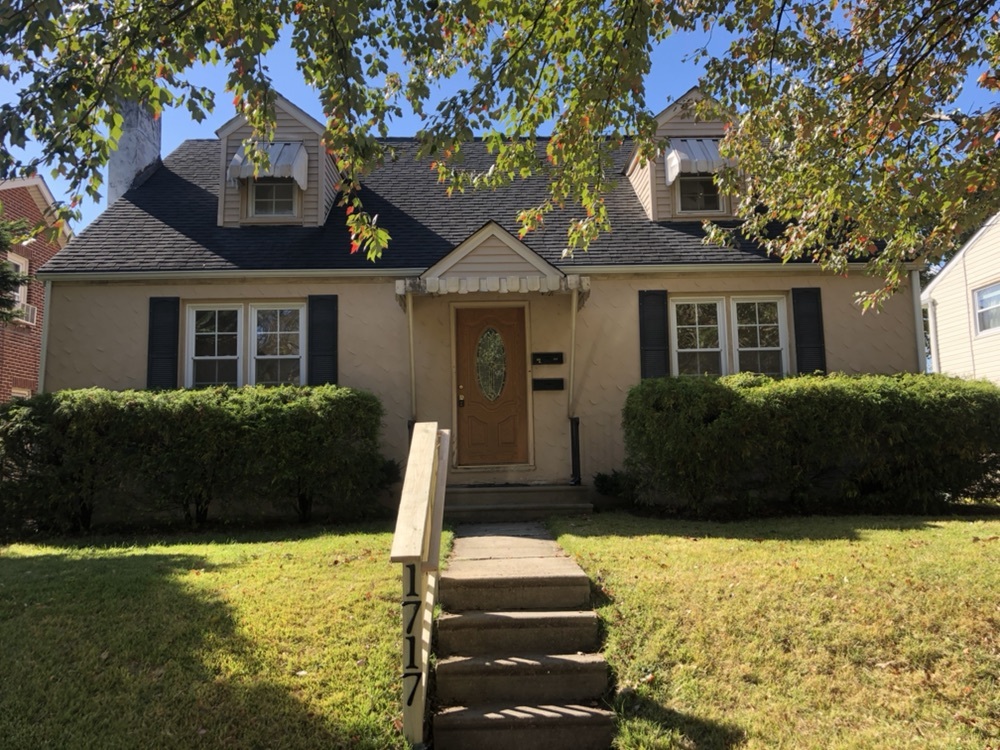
point(709, 339)
point(988, 308)
point(21, 266)
point(219, 353)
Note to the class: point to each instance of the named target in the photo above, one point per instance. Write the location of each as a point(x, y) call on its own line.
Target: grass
point(267, 640)
point(798, 633)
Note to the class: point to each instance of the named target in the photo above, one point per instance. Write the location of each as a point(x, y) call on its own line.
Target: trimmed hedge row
point(71, 457)
point(748, 445)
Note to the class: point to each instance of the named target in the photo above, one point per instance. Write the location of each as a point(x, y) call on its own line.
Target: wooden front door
point(492, 402)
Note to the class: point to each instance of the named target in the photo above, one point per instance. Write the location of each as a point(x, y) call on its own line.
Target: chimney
point(138, 151)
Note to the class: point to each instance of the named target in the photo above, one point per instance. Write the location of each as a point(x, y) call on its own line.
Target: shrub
point(749, 445)
point(132, 454)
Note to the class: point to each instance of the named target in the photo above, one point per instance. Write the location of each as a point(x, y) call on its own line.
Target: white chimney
point(138, 150)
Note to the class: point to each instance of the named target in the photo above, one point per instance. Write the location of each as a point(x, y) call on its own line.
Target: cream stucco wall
point(99, 331)
point(960, 348)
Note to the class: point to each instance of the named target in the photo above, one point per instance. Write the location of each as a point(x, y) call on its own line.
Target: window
point(278, 349)
point(698, 334)
point(698, 194)
point(988, 308)
point(760, 336)
point(271, 197)
point(20, 393)
point(214, 345)
point(700, 330)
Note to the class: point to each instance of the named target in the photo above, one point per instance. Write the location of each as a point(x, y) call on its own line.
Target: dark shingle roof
point(169, 224)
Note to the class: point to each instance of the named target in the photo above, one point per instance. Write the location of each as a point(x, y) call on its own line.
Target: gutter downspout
point(413, 366)
point(574, 421)
point(45, 336)
point(932, 325)
point(918, 317)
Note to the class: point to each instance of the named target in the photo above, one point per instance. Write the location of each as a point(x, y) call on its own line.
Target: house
point(963, 308)
point(21, 341)
point(202, 273)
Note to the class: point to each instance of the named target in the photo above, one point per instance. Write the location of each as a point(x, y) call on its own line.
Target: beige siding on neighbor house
point(100, 335)
point(234, 196)
point(961, 349)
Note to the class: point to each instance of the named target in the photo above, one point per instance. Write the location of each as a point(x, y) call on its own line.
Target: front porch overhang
point(526, 284)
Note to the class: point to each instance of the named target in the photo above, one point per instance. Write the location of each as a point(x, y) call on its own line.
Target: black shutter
point(810, 348)
point(653, 334)
point(322, 339)
point(164, 330)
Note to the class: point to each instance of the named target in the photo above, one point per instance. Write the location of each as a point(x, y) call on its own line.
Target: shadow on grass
point(643, 722)
point(819, 528)
point(127, 652)
point(212, 534)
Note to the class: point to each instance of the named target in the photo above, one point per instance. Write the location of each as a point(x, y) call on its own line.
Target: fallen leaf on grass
point(987, 539)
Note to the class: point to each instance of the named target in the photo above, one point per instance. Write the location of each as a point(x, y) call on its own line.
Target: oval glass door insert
point(491, 364)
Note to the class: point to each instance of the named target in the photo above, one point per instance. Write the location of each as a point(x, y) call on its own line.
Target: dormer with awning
point(678, 185)
point(298, 186)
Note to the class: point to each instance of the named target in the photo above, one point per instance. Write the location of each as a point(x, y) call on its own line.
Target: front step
point(536, 678)
point(526, 727)
point(513, 502)
point(475, 633)
point(522, 583)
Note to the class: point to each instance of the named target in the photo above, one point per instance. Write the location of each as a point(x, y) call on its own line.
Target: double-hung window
point(215, 344)
point(698, 335)
point(760, 339)
point(988, 308)
point(278, 345)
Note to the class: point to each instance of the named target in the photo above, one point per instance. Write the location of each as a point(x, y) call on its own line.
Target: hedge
point(71, 458)
point(748, 445)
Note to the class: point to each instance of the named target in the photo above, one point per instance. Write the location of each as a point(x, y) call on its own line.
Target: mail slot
point(546, 358)
point(547, 384)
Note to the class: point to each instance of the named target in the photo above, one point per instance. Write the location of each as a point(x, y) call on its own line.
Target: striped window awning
point(694, 156)
point(287, 159)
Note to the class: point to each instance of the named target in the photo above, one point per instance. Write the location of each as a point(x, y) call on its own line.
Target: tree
point(10, 279)
point(839, 112)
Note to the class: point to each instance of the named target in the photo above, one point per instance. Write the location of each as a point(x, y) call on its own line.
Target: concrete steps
point(514, 503)
point(517, 646)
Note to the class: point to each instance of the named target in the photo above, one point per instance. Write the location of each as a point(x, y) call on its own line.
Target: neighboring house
point(21, 341)
point(203, 274)
point(963, 309)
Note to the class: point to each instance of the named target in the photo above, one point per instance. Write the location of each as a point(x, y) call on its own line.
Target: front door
point(492, 403)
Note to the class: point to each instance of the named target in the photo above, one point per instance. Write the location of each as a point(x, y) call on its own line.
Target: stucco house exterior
point(21, 341)
point(201, 273)
point(963, 308)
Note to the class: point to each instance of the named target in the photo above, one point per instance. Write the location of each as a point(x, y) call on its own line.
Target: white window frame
point(252, 339)
point(22, 266)
point(976, 294)
point(679, 206)
point(252, 186)
point(720, 306)
point(189, 356)
point(782, 330)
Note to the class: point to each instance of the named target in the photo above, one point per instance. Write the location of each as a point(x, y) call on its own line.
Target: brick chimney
point(138, 151)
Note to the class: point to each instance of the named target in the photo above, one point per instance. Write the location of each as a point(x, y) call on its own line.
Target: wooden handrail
point(417, 546)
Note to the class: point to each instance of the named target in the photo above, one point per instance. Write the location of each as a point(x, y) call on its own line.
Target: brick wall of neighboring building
point(21, 343)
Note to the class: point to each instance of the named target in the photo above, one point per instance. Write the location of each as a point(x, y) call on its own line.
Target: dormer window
point(698, 194)
point(272, 198)
point(690, 166)
point(272, 193)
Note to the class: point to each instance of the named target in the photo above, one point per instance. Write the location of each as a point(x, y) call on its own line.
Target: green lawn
point(269, 640)
point(799, 633)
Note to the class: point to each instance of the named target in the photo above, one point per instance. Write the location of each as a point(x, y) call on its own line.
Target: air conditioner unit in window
point(28, 313)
